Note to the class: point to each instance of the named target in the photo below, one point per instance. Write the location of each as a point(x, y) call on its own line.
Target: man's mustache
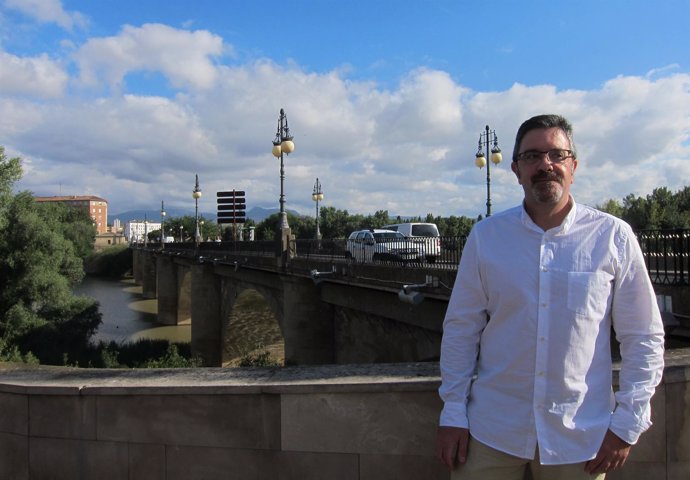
point(547, 177)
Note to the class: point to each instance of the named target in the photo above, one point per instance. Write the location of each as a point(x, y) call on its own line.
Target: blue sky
point(128, 100)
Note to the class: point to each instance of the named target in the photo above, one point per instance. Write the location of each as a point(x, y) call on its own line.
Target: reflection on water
point(126, 316)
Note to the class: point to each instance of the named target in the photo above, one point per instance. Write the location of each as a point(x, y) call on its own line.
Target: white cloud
point(49, 11)
point(409, 149)
point(184, 57)
point(33, 76)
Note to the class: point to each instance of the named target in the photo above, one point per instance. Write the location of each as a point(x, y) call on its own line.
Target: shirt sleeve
point(640, 331)
point(464, 322)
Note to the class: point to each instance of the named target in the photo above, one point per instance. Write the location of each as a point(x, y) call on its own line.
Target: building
point(96, 206)
point(136, 230)
point(116, 226)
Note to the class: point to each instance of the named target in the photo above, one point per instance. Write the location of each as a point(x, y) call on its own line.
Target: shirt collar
point(561, 229)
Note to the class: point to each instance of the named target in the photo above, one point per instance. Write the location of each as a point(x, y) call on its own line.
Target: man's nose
point(545, 163)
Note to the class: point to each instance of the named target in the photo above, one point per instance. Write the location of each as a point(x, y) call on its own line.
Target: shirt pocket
point(589, 292)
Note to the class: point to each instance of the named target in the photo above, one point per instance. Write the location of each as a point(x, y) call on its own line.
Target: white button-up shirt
point(531, 315)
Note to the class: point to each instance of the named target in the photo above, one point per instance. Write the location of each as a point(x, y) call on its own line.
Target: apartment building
point(136, 230)
point(96, 206)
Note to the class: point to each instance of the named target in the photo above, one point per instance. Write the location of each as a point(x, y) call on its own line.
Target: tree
point(612, 207)
point(662, 209)
point(75, 224)
point(38, 268)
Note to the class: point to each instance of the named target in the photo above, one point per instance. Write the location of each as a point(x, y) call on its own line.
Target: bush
point(259, 357)
point(114, 262)
point(172, 359)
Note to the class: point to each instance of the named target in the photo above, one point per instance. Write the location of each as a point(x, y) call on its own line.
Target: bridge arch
point(251, 320)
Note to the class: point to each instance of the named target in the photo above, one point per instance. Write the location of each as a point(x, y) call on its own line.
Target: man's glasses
point(557, 155)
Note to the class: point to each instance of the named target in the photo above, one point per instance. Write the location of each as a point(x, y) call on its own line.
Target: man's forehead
point(551, 136)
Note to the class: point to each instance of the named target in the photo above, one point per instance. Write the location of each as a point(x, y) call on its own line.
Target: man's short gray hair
point(544, 121)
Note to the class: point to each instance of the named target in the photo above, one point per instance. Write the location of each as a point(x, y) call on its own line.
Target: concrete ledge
point(350, 422)
point(245, 381)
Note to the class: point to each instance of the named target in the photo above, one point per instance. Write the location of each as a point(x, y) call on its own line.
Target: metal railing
point(666, 252)
point(436, 252)
point(666, 255)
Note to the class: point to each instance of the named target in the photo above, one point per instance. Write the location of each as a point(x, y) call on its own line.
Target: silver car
point(375, 245)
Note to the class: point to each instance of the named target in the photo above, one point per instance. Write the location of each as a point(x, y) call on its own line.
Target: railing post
point(681, 254)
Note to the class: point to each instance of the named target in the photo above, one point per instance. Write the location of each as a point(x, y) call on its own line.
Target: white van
point(427, 234)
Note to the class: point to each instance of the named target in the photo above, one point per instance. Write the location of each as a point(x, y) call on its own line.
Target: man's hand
point(451, 445)
point(612, 454)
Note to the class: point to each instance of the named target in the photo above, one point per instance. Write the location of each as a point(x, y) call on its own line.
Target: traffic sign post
point(231, 208)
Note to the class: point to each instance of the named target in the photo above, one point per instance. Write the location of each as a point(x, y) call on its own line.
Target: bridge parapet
point(346, 422)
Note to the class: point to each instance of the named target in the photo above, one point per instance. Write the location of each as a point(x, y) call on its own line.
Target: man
point(538, 289)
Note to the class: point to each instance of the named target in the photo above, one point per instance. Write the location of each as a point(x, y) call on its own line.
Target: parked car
point(423, 234)
point(381, 245)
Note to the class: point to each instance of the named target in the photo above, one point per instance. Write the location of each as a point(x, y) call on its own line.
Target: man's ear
point(572, 170)
point(516, 170)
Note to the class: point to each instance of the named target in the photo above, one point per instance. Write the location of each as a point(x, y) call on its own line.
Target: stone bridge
point(328, 311)
point(333, 310)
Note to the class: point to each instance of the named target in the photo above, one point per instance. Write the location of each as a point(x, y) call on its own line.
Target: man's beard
point(547, 187)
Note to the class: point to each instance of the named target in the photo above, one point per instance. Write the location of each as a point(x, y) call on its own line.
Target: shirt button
point(541, 339)
point(540, 374)
point(543, 305)
point(544, 269)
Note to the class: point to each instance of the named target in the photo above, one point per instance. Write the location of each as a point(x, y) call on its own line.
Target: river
point(127, 316)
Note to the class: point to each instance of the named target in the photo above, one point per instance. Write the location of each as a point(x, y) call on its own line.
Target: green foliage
point(40, 317)
point(64, 334)
point(259, 357)
point(74, 224)
point(185, 227)
point(141, 354)
point(11, 353)
point(662, 209)
point(10, 172)
point(38, 268)
point(173, 359)
point(334, 223)
point(114, 261)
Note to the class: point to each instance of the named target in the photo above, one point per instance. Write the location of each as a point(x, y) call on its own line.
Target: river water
point(127, 316)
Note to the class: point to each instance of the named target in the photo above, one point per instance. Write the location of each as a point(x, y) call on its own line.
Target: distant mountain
point(257, 214)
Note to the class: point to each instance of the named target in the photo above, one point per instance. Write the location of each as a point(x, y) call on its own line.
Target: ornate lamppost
point(282, 144)
point(196, 195)
point(162, 224)
point(146, 231)
point(486, 138)
point(317, 196)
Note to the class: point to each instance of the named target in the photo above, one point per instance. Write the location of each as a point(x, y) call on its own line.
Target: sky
point(386, 100)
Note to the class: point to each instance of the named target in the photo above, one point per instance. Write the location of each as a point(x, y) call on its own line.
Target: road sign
point(231, 207)
point(230, 214)
point(231, 200)
point(232, 193)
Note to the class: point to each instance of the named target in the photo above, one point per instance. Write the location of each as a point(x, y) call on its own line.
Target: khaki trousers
point(486, 463)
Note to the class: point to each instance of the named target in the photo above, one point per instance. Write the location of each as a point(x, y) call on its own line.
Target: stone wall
point(364, 422)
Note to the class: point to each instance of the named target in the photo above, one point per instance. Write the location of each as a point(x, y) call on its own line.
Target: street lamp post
point(162, 224)
point(282, 144)
point(146, 231)
point(196, 195)
point(181, 233)
point(485, 139)
point(317, 195)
